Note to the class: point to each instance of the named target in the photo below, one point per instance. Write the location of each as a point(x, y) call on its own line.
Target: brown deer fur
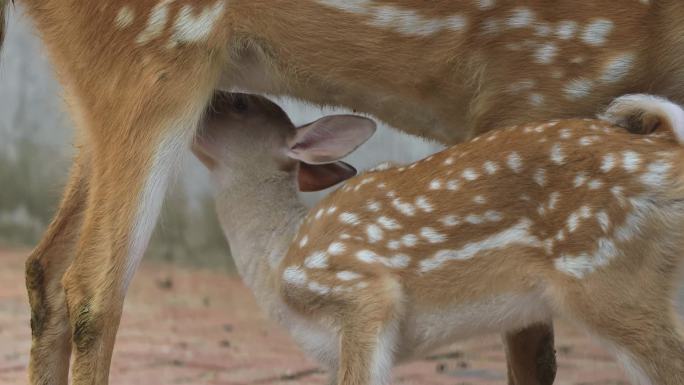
point(138, 75)
point(573, 218)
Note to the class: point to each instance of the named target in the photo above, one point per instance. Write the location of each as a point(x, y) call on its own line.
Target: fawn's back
point(508, 212)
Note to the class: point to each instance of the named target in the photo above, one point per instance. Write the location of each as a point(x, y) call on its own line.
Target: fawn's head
point(250, 136)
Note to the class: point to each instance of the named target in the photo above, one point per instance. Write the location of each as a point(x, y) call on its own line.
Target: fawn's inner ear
point(317, 177)
point(330, 138)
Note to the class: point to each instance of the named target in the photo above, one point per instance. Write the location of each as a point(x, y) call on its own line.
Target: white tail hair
point(646, 111)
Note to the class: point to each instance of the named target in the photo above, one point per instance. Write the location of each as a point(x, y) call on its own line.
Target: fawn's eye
point(240, 104)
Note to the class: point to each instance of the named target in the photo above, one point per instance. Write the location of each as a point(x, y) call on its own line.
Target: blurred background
point(188, 319)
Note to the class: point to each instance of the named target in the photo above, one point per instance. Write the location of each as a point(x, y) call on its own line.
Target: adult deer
point(138, 74)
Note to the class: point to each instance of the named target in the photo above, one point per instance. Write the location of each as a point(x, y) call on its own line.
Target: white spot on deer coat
point(595, 184)
point(553, 200)
point(318, 288)
point(588, 140)
point(522, 85)
point(431, 235)
point(603, 220)
point(578, 88)
point(536, 99)
point(470, 174)
point(608, 162)
point(540, 177)
point(453, 185)
point(156, 23)
point(401, 20)
point(631, 160)
point(436, 184)
point(520, 17)
point(374, 233)
point(545, 53)
point(424, 204)
point(450, 220)
point(557, 155)
point(373, 206)
point(191, 27)
point(566, 29)
point(519, 235)
point(317, 260)
point(580, 179)
point(480, 200)
point(411, 23)
point(351, 6)
point(393, 245)
point(493, 216)
point(348, 275)
point(404, 208)
point(295, 275)
point(514, 162)
point(398, 261)
point(350, 218)
point(409, 240)
point(656, 174)
point(474, 219)
point(565, 133)
point(486, 4)
point(389, 223)
point(583, 264)
point(336, 248)
point(491, 167)
point(304, 241)
point(596, 32)
point(125, 17)
point(573, 222)
point(617, 68)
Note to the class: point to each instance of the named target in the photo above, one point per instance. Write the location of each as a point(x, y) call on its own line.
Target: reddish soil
point(185, 326)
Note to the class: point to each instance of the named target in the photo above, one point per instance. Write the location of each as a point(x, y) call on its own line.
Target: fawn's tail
point(643, 113)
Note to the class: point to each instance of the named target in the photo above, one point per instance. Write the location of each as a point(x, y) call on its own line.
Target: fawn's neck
point(260, 219)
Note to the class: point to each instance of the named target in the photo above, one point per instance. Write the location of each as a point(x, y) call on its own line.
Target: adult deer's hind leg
point(136, 143)
point(51, 334)
point(531, 356)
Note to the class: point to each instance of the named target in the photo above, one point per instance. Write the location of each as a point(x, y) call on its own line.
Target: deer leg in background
point(51, 334)
point(531, 355)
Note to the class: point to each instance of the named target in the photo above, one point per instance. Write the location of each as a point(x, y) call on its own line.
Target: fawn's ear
point(316, 177)
point(330, 138)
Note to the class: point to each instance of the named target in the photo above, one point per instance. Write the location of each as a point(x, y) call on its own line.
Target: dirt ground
point(185, 326)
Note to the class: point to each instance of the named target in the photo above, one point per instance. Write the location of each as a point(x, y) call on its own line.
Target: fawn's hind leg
point(51, 334)
point(646, 343)
point(639, 325)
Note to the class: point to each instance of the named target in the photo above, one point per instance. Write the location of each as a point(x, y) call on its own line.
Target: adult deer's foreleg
point(51, 345)
point(136, 144)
